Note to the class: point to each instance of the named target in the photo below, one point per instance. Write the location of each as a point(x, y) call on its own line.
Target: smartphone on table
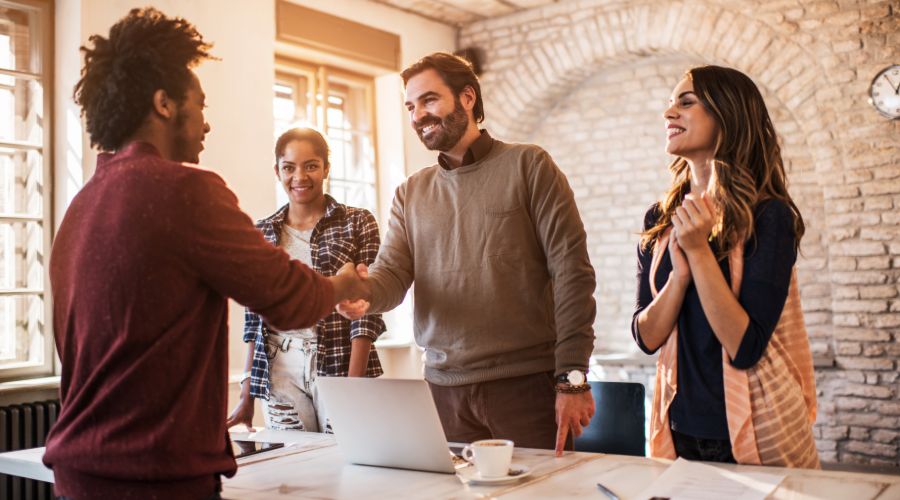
point(246, 448)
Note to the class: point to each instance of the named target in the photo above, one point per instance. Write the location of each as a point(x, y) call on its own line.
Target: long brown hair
point(747, 164)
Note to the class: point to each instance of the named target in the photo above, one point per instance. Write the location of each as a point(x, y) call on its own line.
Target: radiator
point(25, 426)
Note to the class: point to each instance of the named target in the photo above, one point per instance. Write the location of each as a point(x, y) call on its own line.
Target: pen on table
point(608, 492)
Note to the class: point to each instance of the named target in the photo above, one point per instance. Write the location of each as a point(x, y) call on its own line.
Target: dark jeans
point(522, 409)
point(707, 450)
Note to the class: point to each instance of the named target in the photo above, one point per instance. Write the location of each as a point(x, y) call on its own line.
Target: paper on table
point(686, 480)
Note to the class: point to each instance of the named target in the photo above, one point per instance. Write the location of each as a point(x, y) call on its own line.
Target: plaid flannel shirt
point(344, 234)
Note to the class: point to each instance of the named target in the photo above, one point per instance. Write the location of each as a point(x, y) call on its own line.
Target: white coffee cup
point(490, 456)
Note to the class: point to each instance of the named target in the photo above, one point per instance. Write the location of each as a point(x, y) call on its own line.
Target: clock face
point(884, 93)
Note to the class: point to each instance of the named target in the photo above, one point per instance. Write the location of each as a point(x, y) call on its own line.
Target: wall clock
point(884, 92)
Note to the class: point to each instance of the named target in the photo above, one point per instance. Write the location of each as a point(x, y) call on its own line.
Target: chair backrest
point(619, 421)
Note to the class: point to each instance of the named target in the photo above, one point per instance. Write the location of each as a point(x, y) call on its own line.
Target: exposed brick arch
point(550, 69)
point(572, 77)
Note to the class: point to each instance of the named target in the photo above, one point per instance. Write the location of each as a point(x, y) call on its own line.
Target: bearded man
point(493, 240)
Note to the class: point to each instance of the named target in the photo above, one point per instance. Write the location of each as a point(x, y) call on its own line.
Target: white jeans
point(293, 398)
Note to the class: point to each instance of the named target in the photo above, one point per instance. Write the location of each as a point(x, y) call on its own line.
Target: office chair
point(618, 423)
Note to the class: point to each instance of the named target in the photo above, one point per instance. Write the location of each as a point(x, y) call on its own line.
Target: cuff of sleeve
point(364, 331)
point(749, 352)
point(568, 362)
point(637, 337)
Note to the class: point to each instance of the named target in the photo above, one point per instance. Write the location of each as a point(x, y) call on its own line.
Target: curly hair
point(456, 72)
point(747, 163)
point(146, 51)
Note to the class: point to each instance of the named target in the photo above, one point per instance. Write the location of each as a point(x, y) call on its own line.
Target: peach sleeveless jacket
point(770, 407)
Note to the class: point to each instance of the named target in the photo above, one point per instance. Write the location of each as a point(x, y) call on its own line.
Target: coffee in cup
point(490, 456)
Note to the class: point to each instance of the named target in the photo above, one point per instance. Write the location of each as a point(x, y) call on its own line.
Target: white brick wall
point(587, 80)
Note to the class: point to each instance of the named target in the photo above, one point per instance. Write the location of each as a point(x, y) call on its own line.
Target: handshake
point(352, 290)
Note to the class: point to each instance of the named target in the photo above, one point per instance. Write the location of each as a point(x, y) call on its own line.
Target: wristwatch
point(572, 381)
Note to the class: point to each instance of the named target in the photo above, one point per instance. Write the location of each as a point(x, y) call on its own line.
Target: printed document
point(686, 480)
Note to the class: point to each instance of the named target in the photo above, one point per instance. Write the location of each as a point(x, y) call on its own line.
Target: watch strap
point(572, 389)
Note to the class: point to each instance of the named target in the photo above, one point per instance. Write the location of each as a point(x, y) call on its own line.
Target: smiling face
point(302, 173)
point(190, 124)
point(436, 114)
point(691, 130)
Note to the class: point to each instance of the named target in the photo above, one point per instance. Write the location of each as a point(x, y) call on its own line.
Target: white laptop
point(386, 422)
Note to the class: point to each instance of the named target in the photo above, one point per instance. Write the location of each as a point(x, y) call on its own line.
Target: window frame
point(45, 13)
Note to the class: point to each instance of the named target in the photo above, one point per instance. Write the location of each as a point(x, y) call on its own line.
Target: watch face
point(884, 93)
point(576, 377)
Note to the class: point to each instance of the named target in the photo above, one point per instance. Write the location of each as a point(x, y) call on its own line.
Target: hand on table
point(573, 413)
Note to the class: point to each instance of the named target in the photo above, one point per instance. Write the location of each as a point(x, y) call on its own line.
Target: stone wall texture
point(588, 80)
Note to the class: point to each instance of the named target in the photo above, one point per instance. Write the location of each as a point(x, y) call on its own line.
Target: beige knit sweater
point(497, 251)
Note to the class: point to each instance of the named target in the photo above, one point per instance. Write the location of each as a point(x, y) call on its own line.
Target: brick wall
point(588, 81)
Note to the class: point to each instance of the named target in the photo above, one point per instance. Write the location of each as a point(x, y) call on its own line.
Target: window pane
point(19, 39)
point(21, 329)
point(21, 110)
point(291, 103)
point(21, 259)
point(354, 194)
point(21, 182)
point(23, 187)
point(339, 157)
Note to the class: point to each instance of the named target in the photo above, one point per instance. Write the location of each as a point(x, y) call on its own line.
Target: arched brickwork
point(813, 61)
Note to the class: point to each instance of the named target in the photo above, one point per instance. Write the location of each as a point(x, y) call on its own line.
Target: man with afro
point(144, 261)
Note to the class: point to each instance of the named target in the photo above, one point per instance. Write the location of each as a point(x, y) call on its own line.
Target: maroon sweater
point(141, 269)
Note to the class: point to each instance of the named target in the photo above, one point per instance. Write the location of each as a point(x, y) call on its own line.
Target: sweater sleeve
point(562, 237)
point(769, 258)
point(231, 256)
point(392, 273)
point(644, 295)
point(366, 234)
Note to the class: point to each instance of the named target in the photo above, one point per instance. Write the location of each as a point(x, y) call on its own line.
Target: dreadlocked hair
point(146, 51)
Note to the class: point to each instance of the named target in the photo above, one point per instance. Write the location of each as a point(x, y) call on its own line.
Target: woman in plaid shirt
point(324, 234)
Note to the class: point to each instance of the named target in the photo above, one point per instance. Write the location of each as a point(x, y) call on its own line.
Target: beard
point(452, 128)
point(182, 149)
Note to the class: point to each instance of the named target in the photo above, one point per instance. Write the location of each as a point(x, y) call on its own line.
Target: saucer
point(470, 475)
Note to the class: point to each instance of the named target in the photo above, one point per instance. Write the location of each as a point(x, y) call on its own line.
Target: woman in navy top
point(729, 190)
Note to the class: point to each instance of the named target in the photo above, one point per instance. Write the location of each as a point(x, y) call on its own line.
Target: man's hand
point(352, 310)
point(349, 285)
point(573, 412)
point(355, 309)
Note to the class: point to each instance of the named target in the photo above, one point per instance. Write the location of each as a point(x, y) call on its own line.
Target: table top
point(311, 466)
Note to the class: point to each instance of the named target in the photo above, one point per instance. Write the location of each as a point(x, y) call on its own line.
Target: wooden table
point(311, 466)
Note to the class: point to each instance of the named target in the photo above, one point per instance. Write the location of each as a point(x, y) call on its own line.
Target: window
point(25, 225)
point(340, 105)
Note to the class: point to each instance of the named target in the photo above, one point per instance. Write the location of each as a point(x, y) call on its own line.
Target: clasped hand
point(693, 222)
point(354, 307)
